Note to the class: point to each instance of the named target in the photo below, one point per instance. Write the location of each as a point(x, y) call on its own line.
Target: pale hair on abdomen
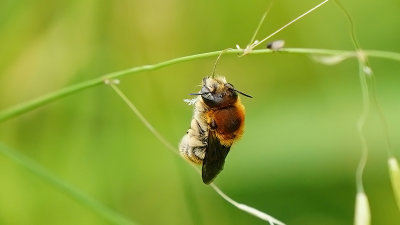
point(194, 143)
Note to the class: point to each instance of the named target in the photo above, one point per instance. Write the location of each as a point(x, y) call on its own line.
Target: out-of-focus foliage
point(298, 156)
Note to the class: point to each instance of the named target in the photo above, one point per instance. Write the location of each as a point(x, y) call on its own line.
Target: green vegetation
point(296, 161)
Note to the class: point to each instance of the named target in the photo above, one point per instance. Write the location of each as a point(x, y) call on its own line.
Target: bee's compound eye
point(229, 85)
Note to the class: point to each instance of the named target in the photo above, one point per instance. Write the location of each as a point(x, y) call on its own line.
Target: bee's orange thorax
point(228, 122)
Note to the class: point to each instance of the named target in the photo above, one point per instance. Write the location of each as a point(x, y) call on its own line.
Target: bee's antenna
point(216, 61)
point(199, 93)
point(249, 96)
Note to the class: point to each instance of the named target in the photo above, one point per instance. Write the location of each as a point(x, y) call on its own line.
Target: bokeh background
point(296, 161)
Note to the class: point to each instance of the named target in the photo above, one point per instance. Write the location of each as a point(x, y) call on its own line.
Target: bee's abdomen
point(193, 145)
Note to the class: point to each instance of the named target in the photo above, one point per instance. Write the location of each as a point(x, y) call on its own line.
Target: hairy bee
point(218, 121)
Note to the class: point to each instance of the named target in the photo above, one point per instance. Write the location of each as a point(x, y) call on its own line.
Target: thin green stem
point(368, 95)
point(362, 65)
point(142, 118)
point(288, 24)
point(37, 170)
point(45, 99)
point(261, 22)
point(351, 23)
point(248, 209)
point(217, 60)
point(360, 129)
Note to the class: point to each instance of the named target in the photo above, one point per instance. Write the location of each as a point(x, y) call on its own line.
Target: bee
point(218, 121)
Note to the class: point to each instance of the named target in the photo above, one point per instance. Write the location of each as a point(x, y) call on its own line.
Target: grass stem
point(45, 99)
point(243, 207)
point(83, 199)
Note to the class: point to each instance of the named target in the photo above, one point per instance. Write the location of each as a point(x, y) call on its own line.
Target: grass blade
point(39, 171)
point(45, 99)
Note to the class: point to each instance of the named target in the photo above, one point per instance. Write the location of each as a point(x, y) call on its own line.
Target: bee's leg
point(192, 149)
point(198, 154)
point(193, 144)
point(185, 150)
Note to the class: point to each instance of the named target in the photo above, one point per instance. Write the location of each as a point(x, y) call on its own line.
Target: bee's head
point(217, 93)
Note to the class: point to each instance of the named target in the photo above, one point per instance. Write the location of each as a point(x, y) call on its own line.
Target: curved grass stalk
point(362, 214)
point(360, 129)
point(45, 99)
point(241, 206)
point(246, 208)
point(39, 171)
point(362, 210)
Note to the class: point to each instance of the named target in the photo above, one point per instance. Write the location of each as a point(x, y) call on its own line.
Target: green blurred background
point(296, 161)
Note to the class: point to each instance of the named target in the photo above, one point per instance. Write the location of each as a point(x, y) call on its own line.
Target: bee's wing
point(214, 159)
